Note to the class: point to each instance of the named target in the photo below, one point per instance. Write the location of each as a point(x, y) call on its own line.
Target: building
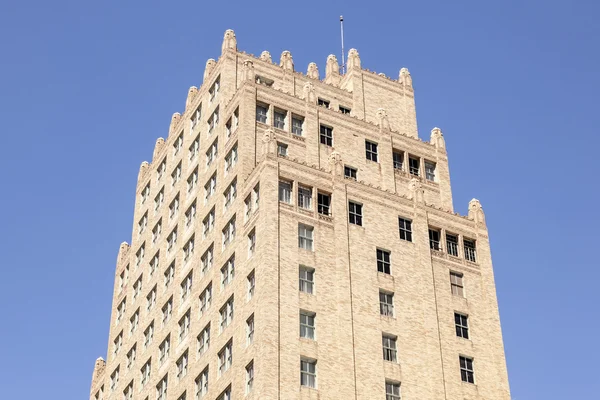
point(293, 238)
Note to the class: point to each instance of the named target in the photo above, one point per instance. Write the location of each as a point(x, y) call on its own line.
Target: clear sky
point(87, 87)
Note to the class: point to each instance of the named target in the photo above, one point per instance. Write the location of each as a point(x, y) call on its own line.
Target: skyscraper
point(294, 238)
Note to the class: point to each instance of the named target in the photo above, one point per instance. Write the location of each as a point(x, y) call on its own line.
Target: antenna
point(343, 59)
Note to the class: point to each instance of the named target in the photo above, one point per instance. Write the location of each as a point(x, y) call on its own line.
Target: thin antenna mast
point(343, 55)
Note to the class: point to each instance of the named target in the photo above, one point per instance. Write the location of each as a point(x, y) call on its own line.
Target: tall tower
point(294, 238)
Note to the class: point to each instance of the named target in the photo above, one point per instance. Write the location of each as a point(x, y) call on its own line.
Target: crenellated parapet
point(160, 143)
point(353, 61)
point(192, 92)
point(266, 56)
point(437, 139)
point(98, 374)
point(229, 41)
point(476, 212)
point(144, 170)
point(208, 69)
point(286, 61)
point(332, 71)
point(123, 255)
point(312, 71)
point(404, 78)
point(174, 122)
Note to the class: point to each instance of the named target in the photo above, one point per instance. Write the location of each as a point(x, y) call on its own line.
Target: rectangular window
point(176, 174)
point(470, 251)
point(214, 89)
point(355, 213)
point(466, 369)
point(226, 313)
point(228, 232)
point(205, 299)
point(261, 113)
point(308, 373)
point(212, 153)
point(462, 325)
point(169, 274)
point(230, 193)
point(151, 299)
point(192, 181)
point(121, 308)
point(184, 325)
point(114, 379)
point(194, 147)
point(228, 272)
point(251, 243)
point(383, 261)
point(349, 172)
point(326, 135)
point(174, 207)
point(137, 287)
point(148, 334)
point(430, 171)
point(305, 197)
point(196, 116)
point(164, 349)
point(145, 372)
point(249, 376)
point(285, 192)
point(456, 284)
point(279, 117)
point(204, 340)
point(344, 110)
point(250, 330)
point(226, 395)
point(256, 195)
point(154, 263)
point(178, 144)
point(324, 103)
point(208, 223)
point(231, 158)
point(434, 239)
point(213, 120)
point(161, 389)
point(323, 203)
point(282, 149)
point(307, 279)
point(452, 244)
point(190, 215)
point(305, 237)
point(188, 249)
point(386, 303)
point(117, 343)
point(182, 365)
point(202, 384)
point(297, 123)
point(162, 168)
point(207, 260)
point(371, 150)
point(251, 281)
point(167, 311)
point(414, 165)
point(392, 391)
point(307, 325)
point(389, 348)
point(405, 226)
point(139, 255)
point(225, 357)
point(398, 157)
point(156, 231)
point(143, 223)
point(145, 194)
point(134, 322)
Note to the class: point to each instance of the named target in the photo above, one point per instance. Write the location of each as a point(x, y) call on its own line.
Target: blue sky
point(87, 87)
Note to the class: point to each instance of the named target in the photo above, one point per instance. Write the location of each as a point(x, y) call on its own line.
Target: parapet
point(229, 41)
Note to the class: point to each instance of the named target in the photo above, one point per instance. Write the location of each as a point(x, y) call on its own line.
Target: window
point(196, 116)
point(386, 303)
point(169, 274)
point(121, 308)
point(279, 117)
point(202, 383)
point(190, 214)
point(154, 263)
point(159, 199)
point(430, 171)
point(123, 278)
point(324, 103)
point(371, 150)
point(145, 372)
point(323, 203)
point(231, 158)
point(250, 330)
point(204, 340)
point(160, 171)
point(143, 223)
point(470, 253)
point(282, 149)
point(207, 259)
point(205, 299)
point(261, 113)
point(230, 193)
point(305, 237)
point(383, 261)
point(305, 197)
point(452, 244)
point(307, 279)
point(177, 145)
point(456, 284)
point(208, 222)
point(307, 325)
point(392, 391)
point(297, 123)
point(229, 232)
point(251, 279)
point(148, 334)
point(128, 392)
point(194, 147)
point(145, 193)
point(248, 207)
point(389, 348)
point(184, 325)
point(139, 255)
point(466, 369)
point(462, 325)
point(212, 153)
point(226, 395)
point(349, 172)
point(183, 396)
point(156, 231)
point(210, 187)
point(137, 287)
point(226, 313)
point(192, 181)
point(414, 165)
point(214, 89)
point(256, 194)
point(398, 157)
point(225, 356)
point(182, 364)
point(405, 226)
point(188, 249)
point(249, 376)
point(355, 213)
point(167, 311)
point(344, 110)
point(161, 389)
point(151, 299)
point(308, 373)
point(176, 174)
point(434, 239)
point(164, 349)
point(186, 287)
point(213, 120)
point(174, 207)
point(227, 272)
point(114, 379)
point(134, 322)
point(285, 192)
point(117, 343)
point(326, 135)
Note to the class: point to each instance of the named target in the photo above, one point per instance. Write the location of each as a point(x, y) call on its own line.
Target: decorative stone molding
point(332, 71)
point(269, 142)
point(123, 252)
point(248, 70)
point(353, 60)
point(210, 65)
point(229, 41)
point(308, 93)
point(313, 71)
point(336, 164)
point(405, 77)
point(99, 369)
point(286, 61)
point(437, 138)
point(266, 56)
point(174, 121)
point(476, 212)
point(160, 142)
point(143, 170)
point(193, 90)
point(382, 119)
point(416, 189)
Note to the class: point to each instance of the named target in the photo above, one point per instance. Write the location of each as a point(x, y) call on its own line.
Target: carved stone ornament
point(229, 41)
point(210, 65)
point(143, 168)
point(308, 92)
point(160, 142)
point(313, 71)
point(286, 61)
point(332, 71)
point(416, 189)
point(476, 212)
point(335, 163)
point(174, 121)
point(248, 70)
point(353, 59)
point(437, 138)
point(382, 118)
point(269, 142)
point(99, 368)
point(266, 56)
point(405, 77)
point(193, 90)
point(123, 250)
